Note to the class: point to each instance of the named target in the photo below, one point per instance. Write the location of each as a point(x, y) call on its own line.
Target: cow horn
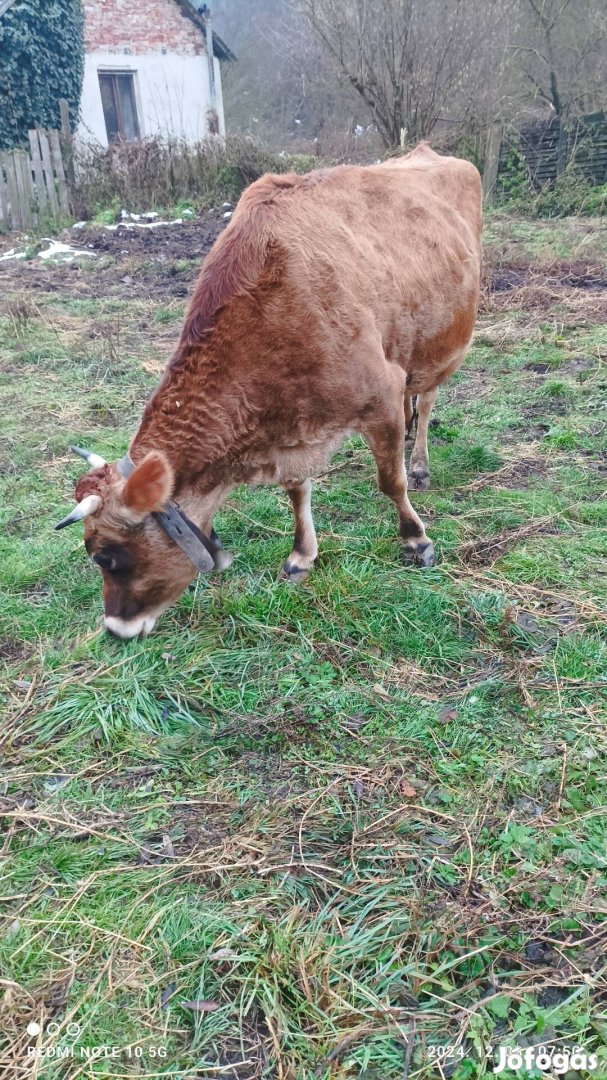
point(87, 506)
point(94, 460)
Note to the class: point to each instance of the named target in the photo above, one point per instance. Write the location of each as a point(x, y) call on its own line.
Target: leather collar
point(200, 549)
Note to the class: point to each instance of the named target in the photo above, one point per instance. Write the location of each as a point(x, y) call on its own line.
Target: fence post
point(49, 177)
point(25, 187)
point(41, 197)
point(4, 223)
point(492, 159)
point(67, 148)
point(561, 149)
point(8, 160)
point(55, 144)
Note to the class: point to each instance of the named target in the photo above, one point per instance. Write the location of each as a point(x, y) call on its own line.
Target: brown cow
point(329, 302)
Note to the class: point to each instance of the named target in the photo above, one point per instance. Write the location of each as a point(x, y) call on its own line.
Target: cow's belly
point(437, 349)
point(292, 464)
point(420, 380)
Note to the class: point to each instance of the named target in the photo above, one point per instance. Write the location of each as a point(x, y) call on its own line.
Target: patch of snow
point(80, 225)
point(142, 224)
point(12, 254)
point(135, 219)
point(56, 250)
point(226, 205)
point(228, 214)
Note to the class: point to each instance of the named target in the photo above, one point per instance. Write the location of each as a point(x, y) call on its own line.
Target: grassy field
point(354, 828)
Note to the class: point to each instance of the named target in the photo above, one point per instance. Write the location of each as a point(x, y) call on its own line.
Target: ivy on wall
point(41, 61)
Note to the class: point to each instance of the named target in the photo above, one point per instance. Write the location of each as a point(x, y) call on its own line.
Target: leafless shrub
point(162, 172)
point(20, 310)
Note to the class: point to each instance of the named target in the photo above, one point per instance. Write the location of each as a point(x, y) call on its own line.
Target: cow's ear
point(150, 486)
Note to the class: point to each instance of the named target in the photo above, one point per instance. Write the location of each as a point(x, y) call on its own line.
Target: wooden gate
point(33, 185)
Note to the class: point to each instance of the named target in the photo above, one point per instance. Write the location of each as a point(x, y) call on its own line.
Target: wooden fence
point(33, 185)
point(548, 148)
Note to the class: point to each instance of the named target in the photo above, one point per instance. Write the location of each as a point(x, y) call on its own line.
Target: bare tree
point(283, 88)
point(411, 61)
point(334, 76)
point(564, 53)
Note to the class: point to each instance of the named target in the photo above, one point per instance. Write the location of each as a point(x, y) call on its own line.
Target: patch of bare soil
point(596, 460)
point(570, 275)
point(190, 240)
point(562, 614)
point(577, 365)
point(407, 675)
point(486, 550)
point(13, 650)
point(133, 261)
point(516, 475)
point(577, 288)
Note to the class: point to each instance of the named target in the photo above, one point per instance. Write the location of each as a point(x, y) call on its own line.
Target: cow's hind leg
point(419, 465)
point(305, 547)
point(410, 419)
point(387, 443)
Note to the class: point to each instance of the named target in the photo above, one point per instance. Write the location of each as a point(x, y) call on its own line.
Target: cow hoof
point(293, 573)
point(419, 479)
point(421, 553)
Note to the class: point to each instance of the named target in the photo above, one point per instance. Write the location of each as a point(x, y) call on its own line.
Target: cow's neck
point(194, 417)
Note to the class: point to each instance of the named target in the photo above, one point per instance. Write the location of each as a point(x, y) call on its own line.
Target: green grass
point(544, 243)
point(346, 815)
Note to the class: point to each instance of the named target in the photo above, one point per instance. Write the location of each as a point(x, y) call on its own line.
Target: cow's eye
point(115, 558)
point(105, 562)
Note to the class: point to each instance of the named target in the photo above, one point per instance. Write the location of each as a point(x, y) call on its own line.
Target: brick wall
point(140, 27)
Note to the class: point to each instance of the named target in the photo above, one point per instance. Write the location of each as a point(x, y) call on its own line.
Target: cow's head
point(144, 570)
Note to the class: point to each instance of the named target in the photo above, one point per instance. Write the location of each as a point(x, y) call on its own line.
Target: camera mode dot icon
point(33, 1028)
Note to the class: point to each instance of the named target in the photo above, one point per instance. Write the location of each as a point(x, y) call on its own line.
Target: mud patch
point(131, 262)
point(168, 242)
point(576, 366)
point(12, 650)
point(570, 287)
point(523, 473)
point(564, 275)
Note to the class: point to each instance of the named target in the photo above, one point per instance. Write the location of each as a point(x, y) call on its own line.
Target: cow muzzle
point(140, 626)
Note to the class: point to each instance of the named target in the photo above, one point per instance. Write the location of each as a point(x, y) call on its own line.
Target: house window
point(119, 108)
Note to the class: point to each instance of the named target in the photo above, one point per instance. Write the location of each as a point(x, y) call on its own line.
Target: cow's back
point(391, 249)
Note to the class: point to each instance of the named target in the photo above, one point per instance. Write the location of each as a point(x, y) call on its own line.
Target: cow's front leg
point(305, 547)
point(419, 465)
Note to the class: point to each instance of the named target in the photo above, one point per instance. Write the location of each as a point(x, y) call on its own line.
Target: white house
point(151, 68)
